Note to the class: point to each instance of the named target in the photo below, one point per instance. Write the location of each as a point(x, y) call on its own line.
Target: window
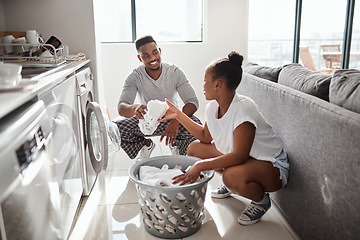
point(165, 20)
point(355, 40)
point(322, 33)
point(115, 21)
point(271, 32)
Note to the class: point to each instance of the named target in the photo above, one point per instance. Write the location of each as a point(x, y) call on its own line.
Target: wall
point(2, 17)
point(225, 30)
point(71, 21)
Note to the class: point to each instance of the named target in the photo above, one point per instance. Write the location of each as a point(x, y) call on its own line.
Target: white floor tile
point(112, 210)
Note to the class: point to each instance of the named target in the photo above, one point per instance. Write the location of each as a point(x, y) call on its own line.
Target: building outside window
point(272, 29)
point(165, 20)
point(355, 41)
point(322, 33)
point(115, 21)
point(271, 32)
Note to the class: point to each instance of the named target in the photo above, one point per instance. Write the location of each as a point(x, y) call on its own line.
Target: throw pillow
point(300, 78)
point(345, 89)
point(269, 73)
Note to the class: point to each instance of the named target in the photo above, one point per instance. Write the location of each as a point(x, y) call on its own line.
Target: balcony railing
point(277, 52)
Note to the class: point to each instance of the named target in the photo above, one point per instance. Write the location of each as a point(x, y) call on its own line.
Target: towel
point(162, 176)
point(77, 57)
point(155, 110)
point(159, 176)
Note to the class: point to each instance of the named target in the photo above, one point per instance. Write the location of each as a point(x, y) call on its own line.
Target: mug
point(53, 41)
point(8, 44)
point(20, 46)
point(46, 56)
point(32, 37)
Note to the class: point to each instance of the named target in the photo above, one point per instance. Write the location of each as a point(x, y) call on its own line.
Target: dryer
point(61, 105)
point(29, 193)
point(98, 133)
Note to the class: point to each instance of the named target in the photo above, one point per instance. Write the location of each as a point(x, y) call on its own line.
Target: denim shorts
point(282, 163)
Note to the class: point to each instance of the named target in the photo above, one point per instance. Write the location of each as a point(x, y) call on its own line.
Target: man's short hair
point(143, 40)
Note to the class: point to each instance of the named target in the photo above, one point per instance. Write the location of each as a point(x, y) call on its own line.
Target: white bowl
point(10, 75)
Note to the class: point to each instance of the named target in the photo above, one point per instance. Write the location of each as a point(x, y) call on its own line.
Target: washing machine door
point(63, 124)
point(97, 136)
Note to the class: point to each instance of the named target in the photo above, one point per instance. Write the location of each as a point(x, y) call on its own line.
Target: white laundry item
point(162, 177)
point(158, 177)
point(155, 110)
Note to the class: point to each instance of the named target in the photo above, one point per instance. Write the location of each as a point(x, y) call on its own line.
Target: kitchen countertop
point(10, 100)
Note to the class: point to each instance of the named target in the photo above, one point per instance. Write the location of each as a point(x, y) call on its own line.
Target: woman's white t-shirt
point(266, 145)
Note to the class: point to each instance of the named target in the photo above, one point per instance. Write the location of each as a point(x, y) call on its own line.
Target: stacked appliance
point(51, 153)
point(61, 105)
point(97, 133)
point(29, 192)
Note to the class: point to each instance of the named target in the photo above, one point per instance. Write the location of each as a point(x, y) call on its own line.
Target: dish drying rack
point(28, 60)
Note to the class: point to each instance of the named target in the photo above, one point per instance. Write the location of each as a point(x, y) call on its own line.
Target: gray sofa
point(322, 139)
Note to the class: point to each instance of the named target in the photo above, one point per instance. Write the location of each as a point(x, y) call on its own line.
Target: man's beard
point(155, 69)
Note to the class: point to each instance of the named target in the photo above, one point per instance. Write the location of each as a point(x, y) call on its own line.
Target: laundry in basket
point(161, 176)
point(171, 211)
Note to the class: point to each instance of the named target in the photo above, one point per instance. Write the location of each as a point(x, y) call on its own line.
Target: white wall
point(225, 30)
point(71, 21)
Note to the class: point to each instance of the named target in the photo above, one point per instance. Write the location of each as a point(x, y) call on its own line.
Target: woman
point(236, 141)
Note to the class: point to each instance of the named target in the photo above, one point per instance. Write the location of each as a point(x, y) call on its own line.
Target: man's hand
point(170, 132)
point(140, 111)
point(129, 110)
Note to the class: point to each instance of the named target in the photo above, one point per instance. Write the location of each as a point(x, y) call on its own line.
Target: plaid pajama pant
point(132, 139)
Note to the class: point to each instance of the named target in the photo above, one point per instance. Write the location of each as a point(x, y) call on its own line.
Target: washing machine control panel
point(30, 149)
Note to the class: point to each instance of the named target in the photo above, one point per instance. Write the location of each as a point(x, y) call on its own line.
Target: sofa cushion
point(345, 89)
point(300, 78)
point(269, 73)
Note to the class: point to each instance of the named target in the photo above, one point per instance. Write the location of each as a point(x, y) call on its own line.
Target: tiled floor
point(112, 210)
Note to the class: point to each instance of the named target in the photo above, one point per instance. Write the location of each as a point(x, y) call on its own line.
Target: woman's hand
point(171, 113)
point(189, 177)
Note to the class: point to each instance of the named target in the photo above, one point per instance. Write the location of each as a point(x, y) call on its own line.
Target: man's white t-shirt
point(266, 145)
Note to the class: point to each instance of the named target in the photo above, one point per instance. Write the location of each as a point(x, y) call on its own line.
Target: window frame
point(345, 59)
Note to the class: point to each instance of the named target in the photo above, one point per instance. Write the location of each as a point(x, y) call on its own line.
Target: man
point(154, 80)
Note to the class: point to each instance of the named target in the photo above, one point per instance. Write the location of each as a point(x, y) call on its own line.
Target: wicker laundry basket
point(174, 211)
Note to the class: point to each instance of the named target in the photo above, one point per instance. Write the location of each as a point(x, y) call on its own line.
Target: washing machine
point(99, 137)
point(29, 192)
point(61, 105)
